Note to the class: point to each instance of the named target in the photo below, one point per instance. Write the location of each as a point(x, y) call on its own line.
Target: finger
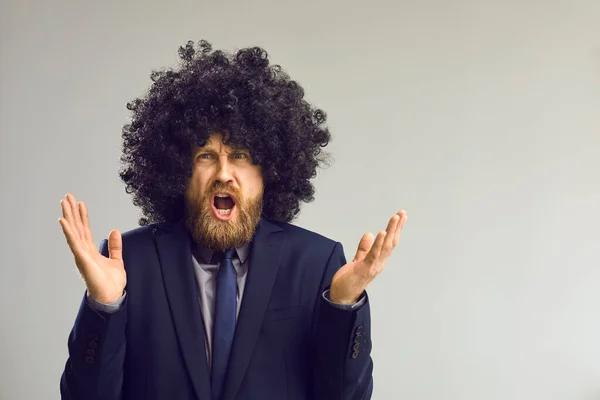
point(71, 212)
point(403, 219)
point(87, 232)
point(70, 235)
point(364, 246)
point(375, 251)
point(389, 237)
point(115, 245)
point(67, 212)
point(76, 216)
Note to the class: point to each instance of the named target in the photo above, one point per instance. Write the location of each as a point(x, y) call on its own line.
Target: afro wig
point(256, 104)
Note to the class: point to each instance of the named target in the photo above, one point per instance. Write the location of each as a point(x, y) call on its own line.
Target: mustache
point(219, 187)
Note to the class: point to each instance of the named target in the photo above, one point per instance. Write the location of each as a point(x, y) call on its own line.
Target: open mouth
point(223, 205)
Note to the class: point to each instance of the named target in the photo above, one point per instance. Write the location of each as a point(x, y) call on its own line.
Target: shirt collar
point(206, 254)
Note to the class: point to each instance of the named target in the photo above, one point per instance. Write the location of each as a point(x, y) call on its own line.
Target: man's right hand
point(104, 278)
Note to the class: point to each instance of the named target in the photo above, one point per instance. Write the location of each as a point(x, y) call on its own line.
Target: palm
point(104, 277)
point(350, 281)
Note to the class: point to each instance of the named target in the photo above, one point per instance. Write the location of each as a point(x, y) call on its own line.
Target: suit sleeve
point(96, 345)
point(343, 367)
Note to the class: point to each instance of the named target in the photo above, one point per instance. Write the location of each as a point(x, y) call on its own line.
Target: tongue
point(223, 203)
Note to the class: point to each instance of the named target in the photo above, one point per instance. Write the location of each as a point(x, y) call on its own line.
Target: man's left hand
point(350, 281)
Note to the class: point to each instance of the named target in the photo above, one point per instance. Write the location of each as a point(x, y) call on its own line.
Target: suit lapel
point(264, 263)
point(175, 254)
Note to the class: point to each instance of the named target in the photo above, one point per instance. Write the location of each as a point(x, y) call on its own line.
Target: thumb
point(365, 244)
point(115, 245)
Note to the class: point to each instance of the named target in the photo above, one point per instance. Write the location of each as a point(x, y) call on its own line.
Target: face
point(224, 196)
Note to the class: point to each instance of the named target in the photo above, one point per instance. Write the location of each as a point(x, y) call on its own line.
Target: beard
point(218, 235)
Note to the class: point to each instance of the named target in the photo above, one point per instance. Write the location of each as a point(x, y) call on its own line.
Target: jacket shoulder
point(308, 236)
point(141, 232)
point(135, 235)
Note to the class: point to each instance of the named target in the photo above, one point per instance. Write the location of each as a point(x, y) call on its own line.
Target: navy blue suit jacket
point(290, 343)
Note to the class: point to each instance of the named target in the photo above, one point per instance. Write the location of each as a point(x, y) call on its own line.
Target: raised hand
point(350, 281)
point(104, 277)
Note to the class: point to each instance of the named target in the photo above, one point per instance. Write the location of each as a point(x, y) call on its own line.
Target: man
point(217, 296)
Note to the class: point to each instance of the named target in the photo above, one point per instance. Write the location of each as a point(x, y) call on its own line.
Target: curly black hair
point(259, 107)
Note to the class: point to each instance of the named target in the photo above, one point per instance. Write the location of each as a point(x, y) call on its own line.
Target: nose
point(224, 172)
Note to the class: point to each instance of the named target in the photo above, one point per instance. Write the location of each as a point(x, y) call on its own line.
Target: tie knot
point(228, 254)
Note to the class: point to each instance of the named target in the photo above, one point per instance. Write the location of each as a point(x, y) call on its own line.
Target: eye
point(240, 156)
point(205, 156)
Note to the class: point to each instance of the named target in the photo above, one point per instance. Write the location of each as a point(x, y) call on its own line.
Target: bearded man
point(217, 296)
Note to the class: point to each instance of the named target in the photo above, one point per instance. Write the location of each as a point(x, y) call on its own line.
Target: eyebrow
point(214, 149)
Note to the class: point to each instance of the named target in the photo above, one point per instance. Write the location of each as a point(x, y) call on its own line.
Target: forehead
point(215, 143)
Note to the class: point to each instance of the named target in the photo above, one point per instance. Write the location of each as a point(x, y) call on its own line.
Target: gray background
point(480, 118)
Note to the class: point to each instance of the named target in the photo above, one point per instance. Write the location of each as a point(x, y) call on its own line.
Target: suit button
point(356, 346)
point(93, 345)
point(355, 354)
point(90, 352)
point(93, 336)
point(89, 360)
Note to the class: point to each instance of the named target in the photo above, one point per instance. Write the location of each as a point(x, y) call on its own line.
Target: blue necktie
point(224, 321)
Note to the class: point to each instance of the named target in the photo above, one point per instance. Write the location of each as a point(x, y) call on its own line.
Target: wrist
point(338, 299)
point(106, 300)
